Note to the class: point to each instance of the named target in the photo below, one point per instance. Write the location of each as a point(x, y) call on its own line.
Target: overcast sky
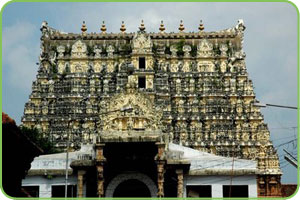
point(270, 44)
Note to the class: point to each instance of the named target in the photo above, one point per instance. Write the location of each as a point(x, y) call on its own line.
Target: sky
point(270, 44)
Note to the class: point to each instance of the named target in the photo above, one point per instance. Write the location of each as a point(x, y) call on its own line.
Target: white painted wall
point(217, 183)
point(45, 184)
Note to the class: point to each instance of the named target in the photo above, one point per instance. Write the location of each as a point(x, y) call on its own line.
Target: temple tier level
point(190, 89)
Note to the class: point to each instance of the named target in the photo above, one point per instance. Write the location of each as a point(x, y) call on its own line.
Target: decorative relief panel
point(61, 50)
point(144, 116)
point(97, 66)
point(79, 50)
point(61, 67)
point(79, 66)
point(205, 49)
point(206, 66)
point(141, 44)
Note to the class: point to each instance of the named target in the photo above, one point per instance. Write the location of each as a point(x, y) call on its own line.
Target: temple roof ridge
point(232, 31)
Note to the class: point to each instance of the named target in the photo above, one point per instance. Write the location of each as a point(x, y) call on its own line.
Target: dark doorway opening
point(129, 157)
point(170, 184)
point(235, 191)
point(59, 191)
point(198, 191)
point(33, 191)
point(142, 63)
point(142, 82)
point(132, 188)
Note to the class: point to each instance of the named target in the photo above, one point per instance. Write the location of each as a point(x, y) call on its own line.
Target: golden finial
point(201, 26)
point(103, 27)
point(181, 26)
point(162, 27)
point(142, 26)
point(123, 28)
point(83, 27)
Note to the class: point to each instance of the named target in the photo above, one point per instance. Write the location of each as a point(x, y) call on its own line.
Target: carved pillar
point(179, 173)
point(269, 186)
point(100, 188)
point(81, 173)
point(100, 166)
point(274, 186)
point(261, 186)
point(160, 160)
point(160, 179)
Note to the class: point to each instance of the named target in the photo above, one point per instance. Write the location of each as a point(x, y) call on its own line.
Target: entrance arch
point(142, 180)
point(132, 188)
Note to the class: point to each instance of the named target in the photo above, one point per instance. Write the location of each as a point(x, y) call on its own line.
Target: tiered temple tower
point(198, 81)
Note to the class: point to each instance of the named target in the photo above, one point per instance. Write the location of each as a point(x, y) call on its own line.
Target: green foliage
point(217, 51)
point(104, 50)
point(167, 51)
point(230, 48)
point(179, 45)
point(53, 48)
point(54, 69)
point(234, 69)
point(68, 50)
point(49, 177)
point(125, 48)
point(218, 67)
point(90, 50)
point(194, 51)
point(36, 137)
point(63, 75)
point(67, 69)
point(54, 76)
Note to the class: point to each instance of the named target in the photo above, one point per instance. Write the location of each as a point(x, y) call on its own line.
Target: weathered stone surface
point(193, 87)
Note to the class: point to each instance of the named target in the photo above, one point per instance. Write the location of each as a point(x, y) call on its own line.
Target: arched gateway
point(122, 184)
point(130, 141)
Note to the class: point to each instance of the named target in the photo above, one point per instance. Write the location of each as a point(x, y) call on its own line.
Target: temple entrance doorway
point(132, 188)
point(131, 184)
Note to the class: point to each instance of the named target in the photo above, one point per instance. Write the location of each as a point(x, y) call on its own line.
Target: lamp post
point(125, 109)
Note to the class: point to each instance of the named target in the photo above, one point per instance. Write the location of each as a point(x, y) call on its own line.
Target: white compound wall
point(217, 183)
point(45, 183)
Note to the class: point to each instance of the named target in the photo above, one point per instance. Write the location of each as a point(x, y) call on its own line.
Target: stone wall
point(198, 80)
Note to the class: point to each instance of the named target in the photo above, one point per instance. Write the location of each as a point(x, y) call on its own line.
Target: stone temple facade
point(189, 89)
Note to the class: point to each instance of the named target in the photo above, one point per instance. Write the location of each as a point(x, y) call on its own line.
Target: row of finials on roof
point(142, 27)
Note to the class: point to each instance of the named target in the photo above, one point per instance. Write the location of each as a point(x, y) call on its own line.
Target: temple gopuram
point(149, 115)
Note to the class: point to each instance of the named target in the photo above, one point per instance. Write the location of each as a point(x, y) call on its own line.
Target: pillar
point(160, 178)
point(268, 186)
point(274, 186)
point(100, 159)
point(261, 186)
point(81, 173)
point(160, 161)
point(179, 173)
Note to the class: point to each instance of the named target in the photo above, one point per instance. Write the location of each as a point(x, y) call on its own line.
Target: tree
point(36, 137)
